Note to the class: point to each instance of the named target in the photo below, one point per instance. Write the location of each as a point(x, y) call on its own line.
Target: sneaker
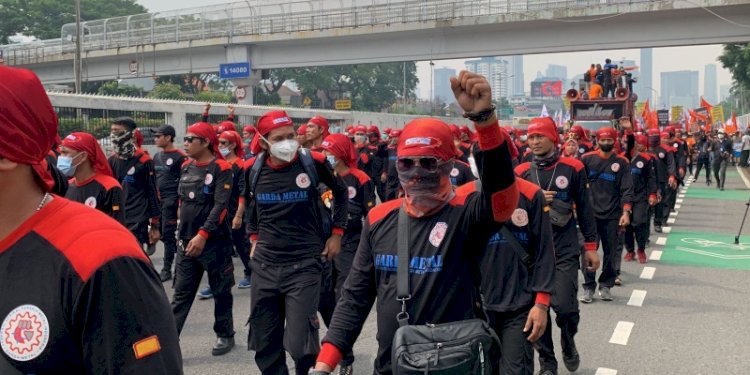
point(571, 358)
point(547, 372)
point(243, 284)
point(657, 228)
point(206, 293)
point(629, 256)
point(721, 188)
point(642, 258)
point(346, 370)
point(708, 182)
point(618, 281)
point(588, 296)
point(604, 293)
point(165, 275)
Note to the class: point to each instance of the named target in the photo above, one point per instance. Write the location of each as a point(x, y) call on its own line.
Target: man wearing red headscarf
point(134, 170)
point(666, 171)
point(291, 231)
point(643, 174)
point(316, 132)
point(580, 135)
point(449, 230)
point(302, 136)
point(392, 185)
point(565, 188)
point(341, 155)
point(205, 191)
point(78, 294)
point(92, 183)
point(611, 189)
point(248, 133)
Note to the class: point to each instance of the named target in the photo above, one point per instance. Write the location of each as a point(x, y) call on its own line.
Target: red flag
point(731, 125)
point(646, 110)
point(706, 105)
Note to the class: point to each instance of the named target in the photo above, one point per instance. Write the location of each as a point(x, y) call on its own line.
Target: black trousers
point(720, 171)
point(168, 229)
point(283, 314)
point(608, 231)
point(703, 163)
point(744, 155)
point(242, 247)
point(567, 314)
point(334, 276)
point(517, 353)
point(140, 231)
point(216, 261)
point(658, 210)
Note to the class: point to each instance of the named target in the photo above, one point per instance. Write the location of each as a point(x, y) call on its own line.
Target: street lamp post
point(656, 92)
point(77, 59)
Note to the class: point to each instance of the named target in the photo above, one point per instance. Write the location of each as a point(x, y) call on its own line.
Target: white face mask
point(285, 149)
point(721, 136)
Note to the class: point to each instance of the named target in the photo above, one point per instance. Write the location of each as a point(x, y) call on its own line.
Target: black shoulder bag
point(462, 347)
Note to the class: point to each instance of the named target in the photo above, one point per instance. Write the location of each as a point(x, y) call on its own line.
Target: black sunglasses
point(191, 138)
point(429, 164)
point(223, 143)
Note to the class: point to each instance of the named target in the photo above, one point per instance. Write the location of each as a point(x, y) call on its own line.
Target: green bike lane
point(706, 224)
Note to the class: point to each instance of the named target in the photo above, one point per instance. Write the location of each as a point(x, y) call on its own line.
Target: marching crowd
point(438, 223)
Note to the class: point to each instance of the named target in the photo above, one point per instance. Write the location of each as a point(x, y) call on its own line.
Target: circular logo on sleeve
point(639, 164)
point(24, 333)
point(303, 180)
point(561, 182)
point(352, 192)
point(520, 217)
point(191, 195)
point(581, 151)
point(662, 155)
point(90, 201)
point(454, 172)
point(131, 171)
point(209, 179)
point(615, 167)
point(170, 161)
point(438, 233)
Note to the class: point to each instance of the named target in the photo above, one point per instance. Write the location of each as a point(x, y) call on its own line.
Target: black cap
point(165, 130)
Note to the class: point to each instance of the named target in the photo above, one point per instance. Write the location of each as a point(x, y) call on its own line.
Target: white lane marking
point(637, 297)
point(666, 229)
point(671, 220)
point(622, 333)
point(710, 254)
point(678, 201)
point(673, 213)
point(655, 255)
point(648, 273)
point(661, 240)
point(605, 371)
point(680, 195)
point(677, 206)
point(744, 178)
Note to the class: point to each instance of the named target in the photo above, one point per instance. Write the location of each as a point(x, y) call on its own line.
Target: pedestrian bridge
point(332, 32)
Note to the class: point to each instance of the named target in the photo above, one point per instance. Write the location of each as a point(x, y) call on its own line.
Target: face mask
point(284, 150)
point(721, 136)
point(224, 152)
point(65, 165)
point(124, 144)
point(606, 147)
point(360, 139)
point(332, 160)
point(523, 138)
point(120, 138)
point(426, 192)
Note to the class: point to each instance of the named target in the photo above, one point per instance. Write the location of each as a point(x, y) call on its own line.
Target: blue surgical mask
point(65, 165)
point(332, 160)
point(224, 152)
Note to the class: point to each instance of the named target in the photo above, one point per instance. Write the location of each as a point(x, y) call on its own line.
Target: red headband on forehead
point(206, 131)
point(28, 122)
point(641, 140)
point(234, 137)
point(606, 133)
point(545, 127)
point(322, 123)
point(85, 142)
point(268, 122)
point(342, 148)
point(427, 137)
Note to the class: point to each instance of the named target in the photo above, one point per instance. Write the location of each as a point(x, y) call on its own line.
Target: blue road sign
point(234, 70)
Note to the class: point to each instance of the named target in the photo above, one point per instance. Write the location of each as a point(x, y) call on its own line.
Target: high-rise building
point(644, 88)
point(679, 88)
point(517, 87)
point(442, 86)
point(724, 92)
point(709, 84)
point(496, 72)
point(557, 71)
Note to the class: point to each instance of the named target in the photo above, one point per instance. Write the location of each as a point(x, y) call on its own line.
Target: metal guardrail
point(242, 18)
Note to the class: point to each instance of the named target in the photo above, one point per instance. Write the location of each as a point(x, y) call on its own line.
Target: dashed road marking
point(677, 206)
point(648, 273)
point(673, 213)
point(666, 229)
point(655, 255)
point(678, 201)
point(671, 220)
point(622, 333)
point(661, 240)
point(680, 195)
point(605, 371)
point(637, 297)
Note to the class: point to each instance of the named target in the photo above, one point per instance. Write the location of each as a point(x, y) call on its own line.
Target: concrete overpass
point(329, 32)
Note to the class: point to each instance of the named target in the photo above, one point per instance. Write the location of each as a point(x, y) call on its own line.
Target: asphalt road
point(692, 320)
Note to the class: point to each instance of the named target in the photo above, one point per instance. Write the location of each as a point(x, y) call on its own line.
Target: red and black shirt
point(205, 190)
point(611, 184)
point(643, 174)
point(167, 166)
point(136, 176)
point(101, 192)
point(79, 296)
point(361, 192)
point(461, 173)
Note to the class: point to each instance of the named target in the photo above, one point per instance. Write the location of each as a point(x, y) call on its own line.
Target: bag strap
point(308, 164)
point(516, 246)
point(403, 290)
point(260, 159)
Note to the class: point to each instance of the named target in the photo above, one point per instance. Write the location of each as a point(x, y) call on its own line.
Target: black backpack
point(325, 217)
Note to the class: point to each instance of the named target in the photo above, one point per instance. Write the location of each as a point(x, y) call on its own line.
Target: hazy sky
point(665, 59)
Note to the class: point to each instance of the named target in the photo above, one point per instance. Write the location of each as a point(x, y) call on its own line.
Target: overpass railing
point(243, 18)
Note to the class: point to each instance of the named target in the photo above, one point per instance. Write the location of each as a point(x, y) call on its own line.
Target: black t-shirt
point(136, 176)
point(461, 173)
point(611, 184)
point(101, 192)
point(361, 192)
point(205, 190)
point(167, 167)
point(79, 296)
point(643, 174)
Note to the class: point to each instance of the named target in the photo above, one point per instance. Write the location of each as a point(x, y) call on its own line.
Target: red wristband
point(330, 355)
point(203, 233)
point(543, 298)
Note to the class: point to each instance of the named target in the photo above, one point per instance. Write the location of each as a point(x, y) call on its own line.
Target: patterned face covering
point(546, 160)
point(426, 192)
point(123, 143)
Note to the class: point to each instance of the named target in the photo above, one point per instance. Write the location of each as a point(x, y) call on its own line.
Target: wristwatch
point(481, 116)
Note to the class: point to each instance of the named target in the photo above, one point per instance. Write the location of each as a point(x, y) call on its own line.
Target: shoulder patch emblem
point(90, 202)
point(520, 217)
point(24, 333)
point(438, 233)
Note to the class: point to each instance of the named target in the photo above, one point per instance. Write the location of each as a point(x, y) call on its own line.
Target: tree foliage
point(214, 97)
point(166, 91)
point(736, 58)
point(44, 19)
point(113, 88)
